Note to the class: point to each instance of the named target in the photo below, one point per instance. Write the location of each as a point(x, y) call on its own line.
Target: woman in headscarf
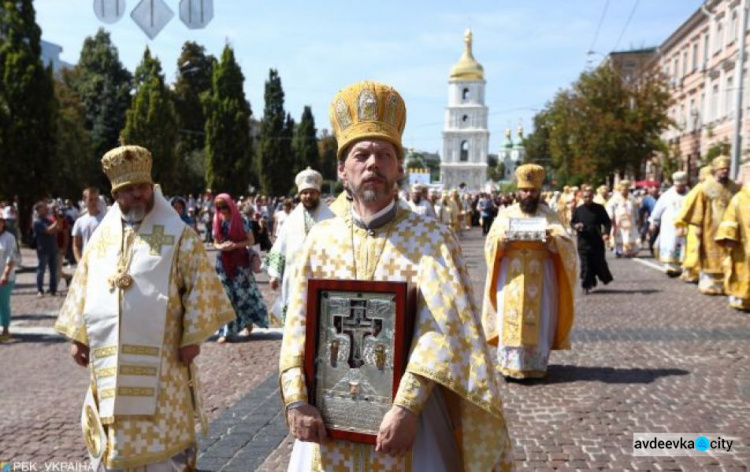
point(180, 206)
point(233, 237)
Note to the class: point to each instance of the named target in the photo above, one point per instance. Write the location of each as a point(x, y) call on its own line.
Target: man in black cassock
point(590, 221)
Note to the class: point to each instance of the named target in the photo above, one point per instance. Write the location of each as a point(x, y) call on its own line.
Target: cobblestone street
point(650, 354)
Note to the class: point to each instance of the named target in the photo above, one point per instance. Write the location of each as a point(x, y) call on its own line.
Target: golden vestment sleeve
point(729, 227)
point(565, 258)
point(293, 387)
point(413, 392)
point(70, 322)
point(204, 300)
point(692, 208)
point(293, 343)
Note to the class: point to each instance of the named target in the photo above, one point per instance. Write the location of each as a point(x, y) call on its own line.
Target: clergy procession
point(144, 298)
point(188, 285)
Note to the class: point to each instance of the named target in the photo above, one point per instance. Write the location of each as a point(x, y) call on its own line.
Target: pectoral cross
point(157, 239)
point(357, 325)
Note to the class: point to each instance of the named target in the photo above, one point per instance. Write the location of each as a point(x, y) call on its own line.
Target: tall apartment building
point(699, 59)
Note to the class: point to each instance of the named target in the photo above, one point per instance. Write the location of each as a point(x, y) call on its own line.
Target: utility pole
point(739, 72)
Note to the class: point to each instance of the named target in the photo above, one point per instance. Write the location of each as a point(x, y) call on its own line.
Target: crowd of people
point(145, 295)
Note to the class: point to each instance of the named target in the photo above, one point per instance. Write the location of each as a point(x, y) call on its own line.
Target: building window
point(465, 120)
point(695, 56)
point(733, 26)
point(684, 63)
point(706, 48)
point(719, 39)
point(464, 151)
point(693, 115)
point(675, 66)
point(465, 94)
point(715, 102)
point(728, 95)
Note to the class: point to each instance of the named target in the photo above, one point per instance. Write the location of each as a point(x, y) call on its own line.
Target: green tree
point(305, 144)
point(28, 106)
point(721, 148)
point(151, 121)
point(103, 85)
point(327, 164)
point(274, 156)
point(191, 90)
point(229, 145)
point(74, 167)
point(601, 125)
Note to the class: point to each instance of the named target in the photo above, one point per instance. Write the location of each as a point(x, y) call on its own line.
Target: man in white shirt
point(85, 226)
point(419, 205)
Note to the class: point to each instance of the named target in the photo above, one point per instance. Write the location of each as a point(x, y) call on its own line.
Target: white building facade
point(465, 133)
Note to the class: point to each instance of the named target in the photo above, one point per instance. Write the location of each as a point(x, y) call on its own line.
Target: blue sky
point(529, 48)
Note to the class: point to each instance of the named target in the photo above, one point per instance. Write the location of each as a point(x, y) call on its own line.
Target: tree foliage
point(305, 143)
point(151, 121)
point(103, 85)
point(601, 126)
point(229, 145)
point(27, 108)
point(73, 163)
point(191, 90)
point(327, 148)
point(274, 155)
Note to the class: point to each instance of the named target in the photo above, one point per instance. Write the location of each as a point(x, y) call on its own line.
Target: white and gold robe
point(664, 215)
point(279, 262)
point(196, 307)
point(624, 215)
point(449, 362)
point(529, 294)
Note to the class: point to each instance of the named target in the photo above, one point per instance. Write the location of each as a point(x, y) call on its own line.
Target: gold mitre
point(368, 110)
point(721, 162)
point(530, 176)
point(623, 185)
point(127, 165)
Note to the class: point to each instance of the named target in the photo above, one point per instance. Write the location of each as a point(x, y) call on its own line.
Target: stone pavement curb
point(243, 435)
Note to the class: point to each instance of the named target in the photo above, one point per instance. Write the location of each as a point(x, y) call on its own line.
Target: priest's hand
point(306, 424)
point(80, 353)
point(397, 431)
point(188, 353)
point(274, 283)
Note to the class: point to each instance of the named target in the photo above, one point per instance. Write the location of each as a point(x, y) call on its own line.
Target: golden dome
point(467, 68)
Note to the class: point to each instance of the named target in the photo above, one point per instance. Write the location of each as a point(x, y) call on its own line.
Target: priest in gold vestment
point(143, 298)
point(704, 211)
point(530, 285)
point(447, 414)
point(734, 234)
point(690, 268)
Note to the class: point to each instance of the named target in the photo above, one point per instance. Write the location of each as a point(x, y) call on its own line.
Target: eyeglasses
point(222, 207)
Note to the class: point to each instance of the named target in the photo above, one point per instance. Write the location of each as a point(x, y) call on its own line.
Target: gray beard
point(135, 215)
point(368, 196)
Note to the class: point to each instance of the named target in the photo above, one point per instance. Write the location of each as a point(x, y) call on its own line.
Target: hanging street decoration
point(109, 11)
point(153, 15)
point(196, 13)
